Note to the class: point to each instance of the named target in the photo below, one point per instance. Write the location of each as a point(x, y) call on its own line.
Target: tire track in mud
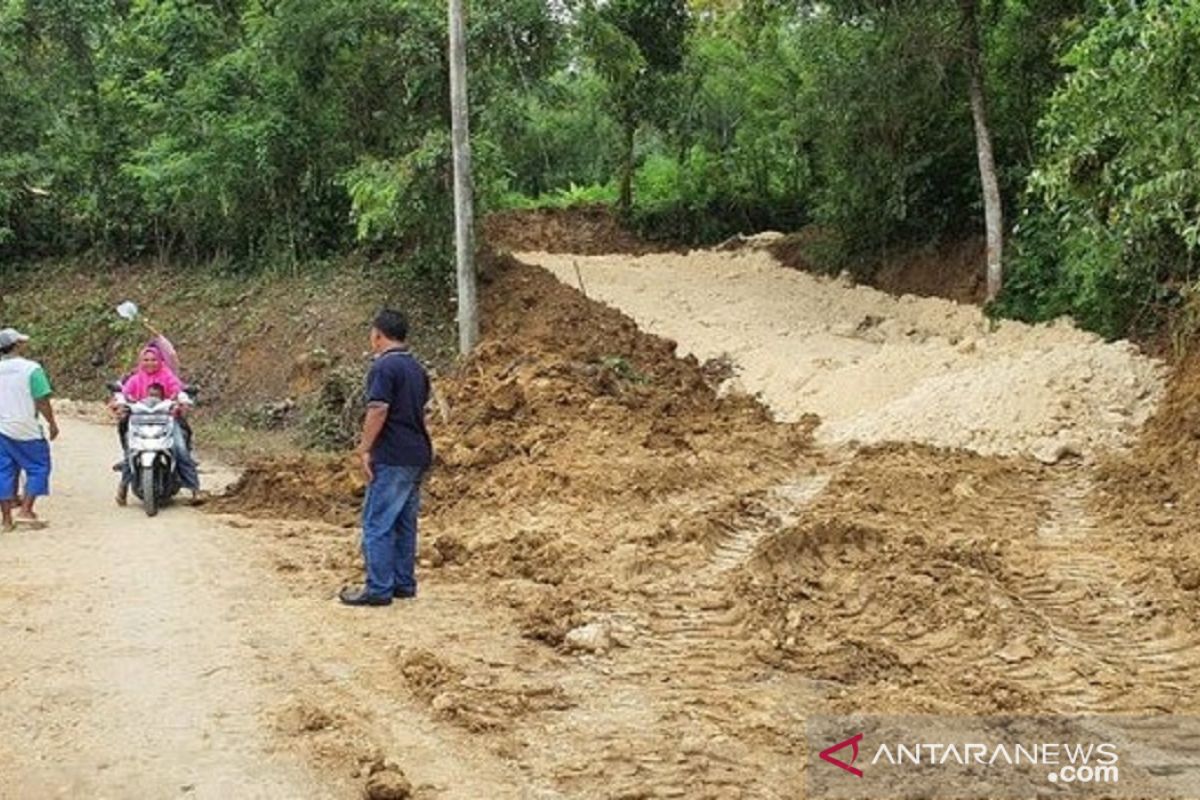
point(717, 721)
point(780, 508)
point(1061, 616)
point(1094, 643)
point(1100, 617)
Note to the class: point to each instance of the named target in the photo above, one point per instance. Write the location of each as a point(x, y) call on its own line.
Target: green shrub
point(1114, 204)
point(333, 421)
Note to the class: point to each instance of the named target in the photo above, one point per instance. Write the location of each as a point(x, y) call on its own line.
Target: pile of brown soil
point(570, 432)
point(299, 487)
point(1152, 494)
point(585, 230)
point(685, 553)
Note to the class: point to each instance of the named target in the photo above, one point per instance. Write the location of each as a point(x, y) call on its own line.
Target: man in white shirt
point(25, 394)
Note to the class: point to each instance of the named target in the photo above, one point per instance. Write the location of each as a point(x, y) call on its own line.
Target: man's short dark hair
point(6, 350)
point(392, 324)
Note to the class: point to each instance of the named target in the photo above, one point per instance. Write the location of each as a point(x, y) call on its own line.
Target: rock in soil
point(388, 783)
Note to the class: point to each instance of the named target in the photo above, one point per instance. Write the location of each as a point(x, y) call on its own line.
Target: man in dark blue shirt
point(396, 452)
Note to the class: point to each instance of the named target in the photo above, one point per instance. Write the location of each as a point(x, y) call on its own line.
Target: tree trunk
point(625, 203)
point(992, 209)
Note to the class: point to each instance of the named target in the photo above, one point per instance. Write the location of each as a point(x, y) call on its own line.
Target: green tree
point(635, 46)
point(1113, 209)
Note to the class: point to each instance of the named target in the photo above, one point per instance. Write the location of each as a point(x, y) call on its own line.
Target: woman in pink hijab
point(153, 371)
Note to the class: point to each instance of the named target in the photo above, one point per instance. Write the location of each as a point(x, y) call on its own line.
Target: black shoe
point(360, 597)
point(404, 594)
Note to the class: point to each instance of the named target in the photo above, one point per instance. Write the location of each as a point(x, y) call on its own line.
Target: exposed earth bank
point(688, 578)
point(636, 582)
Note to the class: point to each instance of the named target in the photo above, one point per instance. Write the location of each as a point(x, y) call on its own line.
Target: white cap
point(11, 336)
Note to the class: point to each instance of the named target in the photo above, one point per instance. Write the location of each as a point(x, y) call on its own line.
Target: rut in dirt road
point(131, 664)
point(1100, 616)
point(699, 714)
point(779, 508)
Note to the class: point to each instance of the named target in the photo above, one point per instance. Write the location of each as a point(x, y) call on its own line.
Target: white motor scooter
point(150, 447)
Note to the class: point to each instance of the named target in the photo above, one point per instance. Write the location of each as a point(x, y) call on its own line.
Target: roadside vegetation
point(243, 136)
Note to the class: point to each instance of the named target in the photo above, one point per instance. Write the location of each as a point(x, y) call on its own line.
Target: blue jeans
point(389, 539)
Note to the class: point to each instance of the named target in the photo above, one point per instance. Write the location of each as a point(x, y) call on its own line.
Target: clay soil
point(954, 270)
point(653, 587)
point(634, 585)
point(585, 230)
point(585, 477)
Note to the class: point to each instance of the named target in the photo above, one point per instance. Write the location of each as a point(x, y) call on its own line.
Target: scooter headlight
point(152, 432)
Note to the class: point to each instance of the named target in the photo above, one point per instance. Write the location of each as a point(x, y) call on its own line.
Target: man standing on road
point(396, 452)
point(24, 394)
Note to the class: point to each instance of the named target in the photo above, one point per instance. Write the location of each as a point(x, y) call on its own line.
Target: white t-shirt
point(22, 384)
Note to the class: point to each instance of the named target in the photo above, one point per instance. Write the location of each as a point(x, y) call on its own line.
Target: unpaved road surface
point(131, 663)
point(630, 587)
point(165, 657)
point(636, 589)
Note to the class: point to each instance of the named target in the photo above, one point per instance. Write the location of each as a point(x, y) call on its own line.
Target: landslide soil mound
point(878, 368)
point(707, 578)
point(1152, 494)
point(570, 435)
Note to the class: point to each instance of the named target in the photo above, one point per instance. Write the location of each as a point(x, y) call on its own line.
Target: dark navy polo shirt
point(398, 379)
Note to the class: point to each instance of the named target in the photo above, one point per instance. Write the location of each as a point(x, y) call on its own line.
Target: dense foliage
point(255, 130)
point(244, 128)
point(1113, 211)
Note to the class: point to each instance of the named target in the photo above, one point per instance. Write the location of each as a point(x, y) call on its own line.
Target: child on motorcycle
point(154, 392)
point(152, 372)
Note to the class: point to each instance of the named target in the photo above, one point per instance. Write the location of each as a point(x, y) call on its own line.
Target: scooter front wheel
point(149, 491)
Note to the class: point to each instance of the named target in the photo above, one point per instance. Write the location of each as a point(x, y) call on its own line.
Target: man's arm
point(39, 386)
point(47, 411)
point(377, 413)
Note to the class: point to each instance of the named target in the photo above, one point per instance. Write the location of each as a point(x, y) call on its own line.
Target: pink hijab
point(137, 386)
point(166, 350)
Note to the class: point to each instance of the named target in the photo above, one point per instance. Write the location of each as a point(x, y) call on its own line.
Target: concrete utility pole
point(464, 195)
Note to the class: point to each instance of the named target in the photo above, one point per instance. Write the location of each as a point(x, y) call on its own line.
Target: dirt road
point(131, 662)
point(631, 588)
point(188, 656)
